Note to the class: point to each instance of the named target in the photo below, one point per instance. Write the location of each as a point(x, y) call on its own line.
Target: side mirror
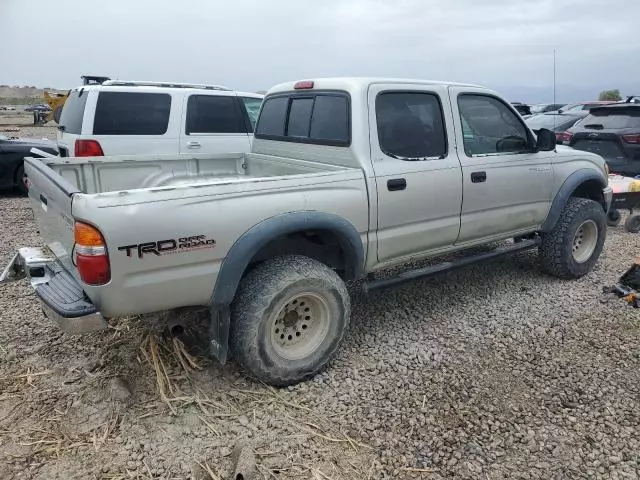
point(546, 140)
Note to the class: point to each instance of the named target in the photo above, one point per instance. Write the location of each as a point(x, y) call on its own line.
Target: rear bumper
point(61, 296)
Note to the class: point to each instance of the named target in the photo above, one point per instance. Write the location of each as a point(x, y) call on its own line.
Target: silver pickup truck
point(346, 177)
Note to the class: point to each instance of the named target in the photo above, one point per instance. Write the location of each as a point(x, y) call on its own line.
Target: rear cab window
point(252, 106)
point(320, 118)
point(131, 113)
point(73, 111)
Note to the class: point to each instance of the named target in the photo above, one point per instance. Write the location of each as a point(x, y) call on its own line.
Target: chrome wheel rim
point(300, 326)
point(584, 241)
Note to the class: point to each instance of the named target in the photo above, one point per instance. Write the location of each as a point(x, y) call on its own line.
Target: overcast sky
point(254, 44)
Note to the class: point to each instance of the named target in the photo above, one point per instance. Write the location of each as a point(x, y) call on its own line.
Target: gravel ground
point(492, 372)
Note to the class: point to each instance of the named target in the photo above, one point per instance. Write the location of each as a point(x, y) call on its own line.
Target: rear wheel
point(574, 245)
point(288, 319)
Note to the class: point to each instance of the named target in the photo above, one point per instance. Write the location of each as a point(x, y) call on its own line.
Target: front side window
point(131, 113)
point(213, 114)
point(411, 125)
point(494, 127)
point(252, 105)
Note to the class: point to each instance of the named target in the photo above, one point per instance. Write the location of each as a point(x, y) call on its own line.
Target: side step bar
point(411, 275)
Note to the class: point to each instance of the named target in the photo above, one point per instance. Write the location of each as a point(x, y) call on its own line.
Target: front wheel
point(288, 319)
point(574, 245)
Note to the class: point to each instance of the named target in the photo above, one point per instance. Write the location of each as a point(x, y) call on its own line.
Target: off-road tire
point(632, 224)
point(262, 294)
point(614, 217)
point(556, 249)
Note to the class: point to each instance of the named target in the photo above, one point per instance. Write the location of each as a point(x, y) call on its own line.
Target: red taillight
point(567, 136)
point(88, 148)
point(92, 258)
point(559, 137)
point(303, 85)
point(632, 138)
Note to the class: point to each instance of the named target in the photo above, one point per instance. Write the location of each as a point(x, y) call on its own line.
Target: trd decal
point(169, 246)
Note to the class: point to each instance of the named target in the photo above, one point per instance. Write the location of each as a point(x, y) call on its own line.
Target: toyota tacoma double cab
point(346, 176)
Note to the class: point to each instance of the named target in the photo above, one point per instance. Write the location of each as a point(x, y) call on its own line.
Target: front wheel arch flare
point(571, 186)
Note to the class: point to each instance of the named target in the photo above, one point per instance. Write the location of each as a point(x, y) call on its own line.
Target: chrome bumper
point(608, 195)
point(60, 295)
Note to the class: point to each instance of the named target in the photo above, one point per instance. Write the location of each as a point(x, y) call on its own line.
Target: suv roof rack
point(93, 79)
point(130, 83)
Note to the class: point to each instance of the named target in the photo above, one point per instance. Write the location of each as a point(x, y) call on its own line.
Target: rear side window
point(132, 113)
point(214, 114)
point(411, 125)
point(317, 118)
point(611, 119)
point(73, 111)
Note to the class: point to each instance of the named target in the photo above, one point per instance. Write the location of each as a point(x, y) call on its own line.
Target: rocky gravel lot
point(492, 372)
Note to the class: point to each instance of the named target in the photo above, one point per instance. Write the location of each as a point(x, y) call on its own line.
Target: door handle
point(193, 144)
point(43, 199)
point(396, 184)
point(478, 177)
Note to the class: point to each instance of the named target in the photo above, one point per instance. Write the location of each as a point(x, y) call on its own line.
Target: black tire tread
point(553, 252)
point(256, 292)
point(632, 223)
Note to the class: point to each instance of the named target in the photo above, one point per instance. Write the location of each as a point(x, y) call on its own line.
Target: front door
point(418, 175)
point(506, 183)
point(214, 123)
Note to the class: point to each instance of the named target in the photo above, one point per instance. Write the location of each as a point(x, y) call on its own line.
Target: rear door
point(418, 175)
point(214, 122)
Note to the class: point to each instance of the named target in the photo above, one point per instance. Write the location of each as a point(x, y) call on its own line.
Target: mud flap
point(219, 333)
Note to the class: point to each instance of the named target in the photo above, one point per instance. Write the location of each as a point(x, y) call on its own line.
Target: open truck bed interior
point(127, 172)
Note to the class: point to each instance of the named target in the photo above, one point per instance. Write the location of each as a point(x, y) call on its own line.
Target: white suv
point(129, 118)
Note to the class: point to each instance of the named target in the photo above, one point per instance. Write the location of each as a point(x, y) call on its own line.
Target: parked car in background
point(556, 122)
point(613, 132)
point(575, 107)
point(38, 108)
point(546, 107)
point(129, 118)
point(12, 154)
point(522, 109)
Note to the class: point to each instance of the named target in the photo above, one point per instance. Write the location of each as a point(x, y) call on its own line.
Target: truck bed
point(128, 172)
point(134, 200)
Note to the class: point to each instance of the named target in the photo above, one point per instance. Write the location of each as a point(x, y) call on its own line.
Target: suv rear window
point(612, 118)
point(214, 114)
point(318, 118)
point(132, 113)
point(73, 111)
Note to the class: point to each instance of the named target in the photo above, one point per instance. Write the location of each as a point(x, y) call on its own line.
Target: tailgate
point(51, 196)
